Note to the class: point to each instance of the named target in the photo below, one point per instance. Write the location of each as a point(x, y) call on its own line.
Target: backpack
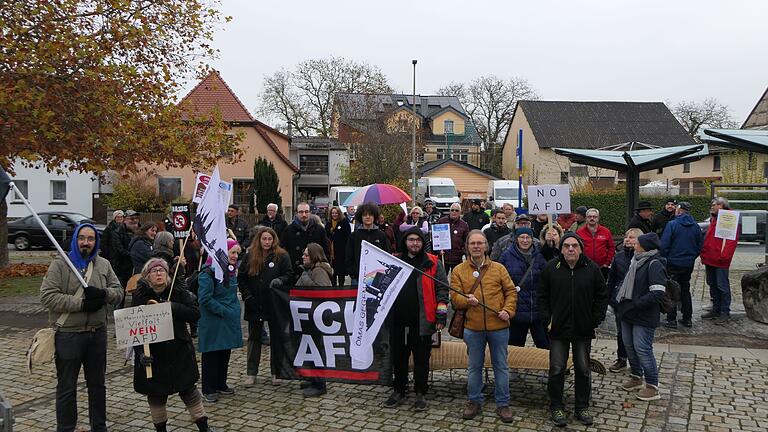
point(192, 281)
point(671, 295)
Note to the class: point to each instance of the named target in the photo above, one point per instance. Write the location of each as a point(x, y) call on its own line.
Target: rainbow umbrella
point(377, 193)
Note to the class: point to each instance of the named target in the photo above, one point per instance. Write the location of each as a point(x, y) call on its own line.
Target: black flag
point(5, 183)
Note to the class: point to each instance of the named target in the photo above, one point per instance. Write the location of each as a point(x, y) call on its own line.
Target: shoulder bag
point(456, 328)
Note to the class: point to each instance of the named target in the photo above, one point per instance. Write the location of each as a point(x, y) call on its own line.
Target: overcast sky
point(652, 50)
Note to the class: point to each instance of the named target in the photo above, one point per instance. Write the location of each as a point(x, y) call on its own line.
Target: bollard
point(6, 415)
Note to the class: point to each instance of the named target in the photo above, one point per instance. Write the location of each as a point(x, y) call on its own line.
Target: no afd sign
point(548, 199)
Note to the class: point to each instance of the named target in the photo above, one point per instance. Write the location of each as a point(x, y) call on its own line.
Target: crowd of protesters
point(552, 276)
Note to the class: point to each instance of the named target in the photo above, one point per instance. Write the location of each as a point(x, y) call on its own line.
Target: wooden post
point(148, 368)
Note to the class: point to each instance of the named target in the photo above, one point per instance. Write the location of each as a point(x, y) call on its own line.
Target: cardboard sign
point(143, 325)
point(749, 224)
point(441, 237)
point(727, 224)
point(548, 199)
point(201, 183)
point(181, 220)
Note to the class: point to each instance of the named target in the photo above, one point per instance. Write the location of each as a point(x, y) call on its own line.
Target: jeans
point(558, 362)
point(74, 349)
point(404, 341)
point(683, 276)
point(719, 289)
point(518, 333)
point(215, 366)
point(621, 352)
point(497, 342)
point(639, 343)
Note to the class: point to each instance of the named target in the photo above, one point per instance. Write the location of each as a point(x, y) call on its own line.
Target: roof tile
point(212, 92)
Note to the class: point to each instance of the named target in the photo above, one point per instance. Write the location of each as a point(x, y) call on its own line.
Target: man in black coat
point(476, 217)
point(498, 228)
point(642, 217)
point(573, 297)
point(120, 248)
point(301, 232)
point(106, 237)
point(274, 220)
point(238, 226)
point(665, 215)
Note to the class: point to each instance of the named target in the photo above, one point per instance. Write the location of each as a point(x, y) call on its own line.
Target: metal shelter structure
point(754, 140)
point(633, 162)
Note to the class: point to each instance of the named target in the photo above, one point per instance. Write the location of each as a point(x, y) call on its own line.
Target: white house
point(47, 191)
point(320, 161)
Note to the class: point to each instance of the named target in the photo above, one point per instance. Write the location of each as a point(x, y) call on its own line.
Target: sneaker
point(584, 417)
point(471, 410)
point(249, 380)
point(394, 400)
point(505, 414)
point(722, 319)
point(558, 418)
point(618, 366)
point(633, 383)
point(421, 403)
point(314, 392)
point(648, 393)
point(210, 398)
point(226, 391)
point(671, 324)
point(277, 381)
point(710, 315)
point(686, 323)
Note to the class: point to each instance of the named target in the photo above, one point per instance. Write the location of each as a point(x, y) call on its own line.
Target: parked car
point(751, 225)
point(25, 233)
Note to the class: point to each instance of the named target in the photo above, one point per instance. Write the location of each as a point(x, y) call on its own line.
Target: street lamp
point(413, 141)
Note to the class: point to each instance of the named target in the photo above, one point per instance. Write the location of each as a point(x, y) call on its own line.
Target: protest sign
point(727, 224)
point(548, 199)
point(201, 183)
point(181, 219)
point(143, 325)
point(441, 237)
point(312, 336)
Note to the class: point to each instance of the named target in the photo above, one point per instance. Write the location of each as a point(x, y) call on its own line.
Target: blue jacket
point(681, 242)
point(219, 324)
point(527, 296)
point(645, 306)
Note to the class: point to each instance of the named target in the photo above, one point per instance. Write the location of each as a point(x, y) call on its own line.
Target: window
point(765, 170)
point(578, 171)
point(243, 190)
point(448, 126)
point(460, 155)
point(660, 171)
point(440, 153)
point(59, 222)
point(687, 167)
point(716, 163)
point(23, 187)
point(420, 156)
point(58, 190)
point(563, 176)
point(169, 188)
point(313, 164)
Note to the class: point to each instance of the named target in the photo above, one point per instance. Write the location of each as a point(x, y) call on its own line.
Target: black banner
point(181, 220)
point(311, 338)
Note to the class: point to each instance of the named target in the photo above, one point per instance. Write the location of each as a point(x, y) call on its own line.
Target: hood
point(326, 267)
point(409, 231)
point(300, 226)
point(74, 253)
point(686, 220)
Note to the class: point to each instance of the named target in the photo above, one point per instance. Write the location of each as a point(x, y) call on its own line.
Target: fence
point(748, 196)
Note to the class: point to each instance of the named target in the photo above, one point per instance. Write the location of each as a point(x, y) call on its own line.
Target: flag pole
point(461, 293)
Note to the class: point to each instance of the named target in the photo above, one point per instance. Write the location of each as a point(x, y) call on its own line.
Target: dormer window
point(448, 126)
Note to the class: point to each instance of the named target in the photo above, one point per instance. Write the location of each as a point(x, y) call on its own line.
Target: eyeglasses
point(86, 239)
point(454, 211)
point(158, 270)
point(570, 245)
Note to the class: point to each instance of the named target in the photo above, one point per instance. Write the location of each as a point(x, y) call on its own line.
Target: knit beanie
point(649, 241)
point(152, 264)
point(571, 234)
point(524, 230)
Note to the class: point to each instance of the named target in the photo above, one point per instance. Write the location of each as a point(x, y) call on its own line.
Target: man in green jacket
point(80, 318)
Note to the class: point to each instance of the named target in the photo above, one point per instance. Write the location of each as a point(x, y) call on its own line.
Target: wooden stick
point(178, 261)
point(148, 368)
point(722, 248)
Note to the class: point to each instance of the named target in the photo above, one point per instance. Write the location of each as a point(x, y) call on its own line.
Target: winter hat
point(571, 234)
point(117, 213)
point(524, 230)
point(232, 243)
point(644, 205)
point(649, 241)
point(152, 264)
point(685, 205)
point(582, 210)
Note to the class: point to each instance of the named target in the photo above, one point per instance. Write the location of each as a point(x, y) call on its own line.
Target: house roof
point(759, 115)
point(593, 125)
point(213, 92)
point(430, 166)
point(361, 106)
point(316, 143)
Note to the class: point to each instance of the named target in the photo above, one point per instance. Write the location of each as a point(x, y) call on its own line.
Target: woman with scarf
point(338, 231)
point(266, 266)
point(639, 304)
point(219, 326)
point(173, 362)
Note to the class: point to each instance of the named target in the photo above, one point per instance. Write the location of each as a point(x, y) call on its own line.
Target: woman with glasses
point(174, 367)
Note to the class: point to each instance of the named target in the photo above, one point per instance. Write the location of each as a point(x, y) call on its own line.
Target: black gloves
point(91, 292)
point(93, 304)
point(145, 360)
point(276, 283)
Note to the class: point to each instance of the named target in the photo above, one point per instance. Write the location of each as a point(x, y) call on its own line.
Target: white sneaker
point(249, 381)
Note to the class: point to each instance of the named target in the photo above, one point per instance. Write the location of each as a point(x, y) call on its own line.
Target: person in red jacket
point(598, 241)
point(716, 255)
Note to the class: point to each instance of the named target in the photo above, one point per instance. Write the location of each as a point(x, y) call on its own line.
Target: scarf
point(628, 286)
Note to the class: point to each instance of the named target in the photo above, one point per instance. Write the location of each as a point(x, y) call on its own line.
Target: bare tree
point(706, 114)
point(302, 99)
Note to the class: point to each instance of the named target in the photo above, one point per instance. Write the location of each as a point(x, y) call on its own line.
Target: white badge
point(476, 273)
point(271, 265)
point(455, 231)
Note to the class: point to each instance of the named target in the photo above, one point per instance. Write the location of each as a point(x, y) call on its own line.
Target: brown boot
point(633, 383)
point(471, 411)
point(649, 393)
point(505, 414)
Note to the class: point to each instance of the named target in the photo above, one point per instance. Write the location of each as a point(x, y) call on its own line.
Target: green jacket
point(57, 294)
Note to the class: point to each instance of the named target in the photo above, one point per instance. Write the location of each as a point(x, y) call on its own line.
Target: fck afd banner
point(313, 336)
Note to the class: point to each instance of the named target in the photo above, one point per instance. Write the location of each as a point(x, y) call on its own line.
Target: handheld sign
point(441, 237)
point(181, 220)
point(201, 183)
point(549, 199)
point(727, 224)
point(143, 325)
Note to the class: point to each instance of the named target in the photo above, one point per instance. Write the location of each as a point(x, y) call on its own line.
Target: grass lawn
point(20, 286)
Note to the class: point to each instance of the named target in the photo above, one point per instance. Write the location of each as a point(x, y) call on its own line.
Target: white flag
point(379, 282)
point(211, 223)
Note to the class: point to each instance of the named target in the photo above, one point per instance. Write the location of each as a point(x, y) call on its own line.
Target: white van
point(440, 190)
point(501, 192)
point(339, 194)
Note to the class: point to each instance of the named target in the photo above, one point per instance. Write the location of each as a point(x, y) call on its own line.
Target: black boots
point(202, 425)
point(161, 427)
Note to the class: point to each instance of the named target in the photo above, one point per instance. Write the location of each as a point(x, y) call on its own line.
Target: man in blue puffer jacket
point(680, 245)
point(524, 263)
